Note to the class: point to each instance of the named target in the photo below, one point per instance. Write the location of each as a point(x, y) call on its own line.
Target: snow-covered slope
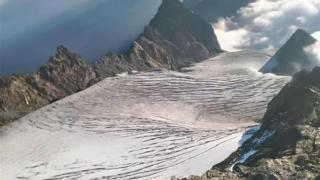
point(143, 126)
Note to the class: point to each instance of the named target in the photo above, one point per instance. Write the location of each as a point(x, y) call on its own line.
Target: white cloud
point(316, 35)
point(229, 39)
point(266, 24)
point(314, 52)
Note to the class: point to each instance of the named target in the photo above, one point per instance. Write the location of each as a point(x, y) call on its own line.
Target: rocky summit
point(64, 74)
point(292, 57)
point(175, 38)
point(287, 145)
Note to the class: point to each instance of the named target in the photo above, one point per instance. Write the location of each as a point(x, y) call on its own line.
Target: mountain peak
point(300, 37)
point(64, 56)
point(177, 23)
point(62, 50)
point(301, 32)
point(292, 57)
point(171, 6)
point(171, 1)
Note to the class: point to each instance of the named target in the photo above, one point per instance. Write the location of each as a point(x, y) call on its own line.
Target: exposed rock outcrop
point(174, 38)
point(292, 57)
point(287, 146)
point(64, 74)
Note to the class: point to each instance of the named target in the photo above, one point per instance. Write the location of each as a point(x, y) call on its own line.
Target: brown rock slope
point(64, 74)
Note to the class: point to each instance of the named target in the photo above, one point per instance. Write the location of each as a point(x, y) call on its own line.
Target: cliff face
point(64, 74)
point(184, 29)
point(292, 57)
point(287, 146)
point(174, 38)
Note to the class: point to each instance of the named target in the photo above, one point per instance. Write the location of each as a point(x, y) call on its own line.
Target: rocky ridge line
point(174, 38)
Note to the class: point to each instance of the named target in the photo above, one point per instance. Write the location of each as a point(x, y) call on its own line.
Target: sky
point(30, 30)
point(265, 25)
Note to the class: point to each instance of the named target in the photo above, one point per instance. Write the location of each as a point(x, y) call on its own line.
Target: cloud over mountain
point(316, 35)
point(267, 24)
point(313, 52)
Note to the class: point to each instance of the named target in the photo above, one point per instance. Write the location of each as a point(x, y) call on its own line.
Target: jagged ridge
point(174, 38)
point(64, 74)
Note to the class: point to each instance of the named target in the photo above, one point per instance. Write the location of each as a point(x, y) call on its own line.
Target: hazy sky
point(30, 30)
point(18, 17)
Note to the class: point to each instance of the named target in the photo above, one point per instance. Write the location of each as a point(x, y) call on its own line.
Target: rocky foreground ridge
point(287, 146)
point(174, 38)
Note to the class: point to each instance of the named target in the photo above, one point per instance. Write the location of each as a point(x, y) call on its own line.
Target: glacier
point(145, 125)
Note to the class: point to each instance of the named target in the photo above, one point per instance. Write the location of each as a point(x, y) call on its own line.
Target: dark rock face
point(174, 38)
point(292, 57)
point(178, 25)
point(287, 146)
point(64, 74)
point(298, 103)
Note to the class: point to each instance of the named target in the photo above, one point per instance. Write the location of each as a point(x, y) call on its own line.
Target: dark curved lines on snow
point(156, 112)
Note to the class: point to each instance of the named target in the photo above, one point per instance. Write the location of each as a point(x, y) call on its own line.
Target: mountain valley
point(174, 105)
